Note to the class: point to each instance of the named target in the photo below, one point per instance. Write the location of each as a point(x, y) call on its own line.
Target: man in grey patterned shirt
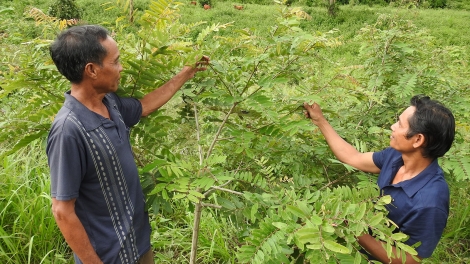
point(97, 199)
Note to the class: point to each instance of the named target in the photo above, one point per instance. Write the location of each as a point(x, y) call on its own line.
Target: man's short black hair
point(435, 122)
point(77, 46)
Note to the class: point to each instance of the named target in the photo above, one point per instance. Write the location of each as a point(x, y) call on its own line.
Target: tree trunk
point(332, 7)
point(197, 221)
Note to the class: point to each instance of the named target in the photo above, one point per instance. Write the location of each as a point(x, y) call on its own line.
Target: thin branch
point(222, 139)
point(255, 68)
point(48, 92)
point(198, 135)
point(331, 183)
point(220, 129)
point(226, 190)
point(211, 205)
point(218, 76)
point(326, 172)
point(211, 190)
point(277, 74)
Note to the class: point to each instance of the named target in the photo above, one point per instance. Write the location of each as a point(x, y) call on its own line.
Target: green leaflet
point(360, 213)
point(387, 199)
point(376, 219)
point(407, 248)
point(280, 225)
point(296, 211)
point(335, 247)
point(357, 258)
point(399, 236)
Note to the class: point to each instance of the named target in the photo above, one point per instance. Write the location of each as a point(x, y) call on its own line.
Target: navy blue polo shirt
point(420, 206)
point(90, 159)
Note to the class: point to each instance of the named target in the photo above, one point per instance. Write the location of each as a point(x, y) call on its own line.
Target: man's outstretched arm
point(344, 151)
point(160, 96)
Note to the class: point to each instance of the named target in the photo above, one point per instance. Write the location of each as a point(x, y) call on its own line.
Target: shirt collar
point(89, 119)
point(412, 186)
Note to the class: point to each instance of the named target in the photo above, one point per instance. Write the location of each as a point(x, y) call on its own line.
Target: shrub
point(65, 9)
point(205, 2)
point(437, 3)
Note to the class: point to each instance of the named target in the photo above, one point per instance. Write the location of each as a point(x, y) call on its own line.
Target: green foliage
point(319, 225)
point(234, 138)
point(254, 2)
point(206, 2)
point(39, 85)
point(28, 233)
point(217, 239)
point(437, 3)
point(454, 243)
point(458, 4)
point(65, 9)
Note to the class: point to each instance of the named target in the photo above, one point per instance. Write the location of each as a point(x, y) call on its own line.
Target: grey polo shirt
point(90, 159)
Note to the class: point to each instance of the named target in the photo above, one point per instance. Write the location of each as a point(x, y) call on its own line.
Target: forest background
point(232, 171)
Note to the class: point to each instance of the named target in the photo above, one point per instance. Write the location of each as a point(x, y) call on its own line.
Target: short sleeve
point(130, 109)
point(380, 157)
point(66, 159)
point(425, 225)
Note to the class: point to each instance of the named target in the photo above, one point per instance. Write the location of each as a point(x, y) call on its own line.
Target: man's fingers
point(203, 61)
point(307, 105)
point(200, 65)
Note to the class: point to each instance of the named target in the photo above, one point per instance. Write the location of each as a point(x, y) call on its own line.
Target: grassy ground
point(28, 233)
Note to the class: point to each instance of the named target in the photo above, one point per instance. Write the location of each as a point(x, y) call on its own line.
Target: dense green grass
point(453, 247)
point(28, 233)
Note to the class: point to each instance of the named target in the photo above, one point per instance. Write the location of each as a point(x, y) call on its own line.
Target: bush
point(437, 3)
point(65, 9)
point(205, 2)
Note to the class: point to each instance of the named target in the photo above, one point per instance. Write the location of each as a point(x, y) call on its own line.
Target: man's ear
point(91, 70)
point(418, 140)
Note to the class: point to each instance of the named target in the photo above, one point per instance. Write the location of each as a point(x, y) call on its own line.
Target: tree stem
point(197, 221)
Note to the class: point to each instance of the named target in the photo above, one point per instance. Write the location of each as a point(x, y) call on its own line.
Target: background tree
point(65, 9)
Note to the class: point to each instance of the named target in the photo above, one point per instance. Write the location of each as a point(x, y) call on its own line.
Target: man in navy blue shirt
point(408, 172)
point(97, 199)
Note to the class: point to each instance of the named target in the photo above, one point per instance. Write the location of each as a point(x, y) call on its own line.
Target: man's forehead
point(110, 45)
point(408, 112)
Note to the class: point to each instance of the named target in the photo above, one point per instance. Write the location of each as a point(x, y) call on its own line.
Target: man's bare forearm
point(377, 250)
point(160, 96)
point(73, 231)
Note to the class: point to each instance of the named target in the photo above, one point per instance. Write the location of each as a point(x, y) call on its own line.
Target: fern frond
point(267, 243)
point(406, 85)
point(459, 167)
point(162, 12)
